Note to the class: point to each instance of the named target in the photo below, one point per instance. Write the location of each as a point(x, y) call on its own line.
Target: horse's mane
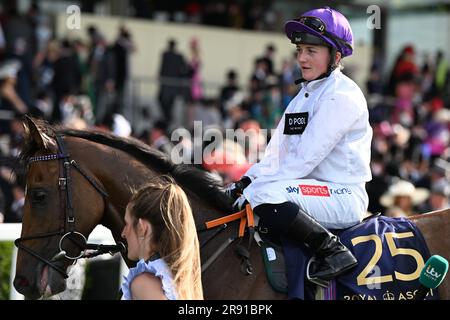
point(203, 184)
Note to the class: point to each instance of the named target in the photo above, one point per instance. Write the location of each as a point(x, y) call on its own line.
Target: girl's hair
point(165, 205)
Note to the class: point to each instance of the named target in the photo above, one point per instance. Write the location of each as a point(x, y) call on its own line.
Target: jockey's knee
point(277, 217)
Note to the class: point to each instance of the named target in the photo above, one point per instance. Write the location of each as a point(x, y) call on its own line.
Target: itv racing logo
point(431, 273)
point(318, 191)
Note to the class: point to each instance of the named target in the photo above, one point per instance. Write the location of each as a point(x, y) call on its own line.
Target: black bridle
point(66, 203)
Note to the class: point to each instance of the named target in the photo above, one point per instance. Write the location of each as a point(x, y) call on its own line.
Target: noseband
point(66, 202)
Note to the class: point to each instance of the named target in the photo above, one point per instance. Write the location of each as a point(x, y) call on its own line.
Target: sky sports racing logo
point(318, 191)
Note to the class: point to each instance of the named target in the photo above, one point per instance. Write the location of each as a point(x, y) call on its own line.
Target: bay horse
point(79, 179)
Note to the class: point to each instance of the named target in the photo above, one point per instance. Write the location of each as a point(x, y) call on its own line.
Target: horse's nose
point(21, 284)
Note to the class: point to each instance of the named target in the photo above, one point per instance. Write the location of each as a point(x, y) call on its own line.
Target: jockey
point(312, 177)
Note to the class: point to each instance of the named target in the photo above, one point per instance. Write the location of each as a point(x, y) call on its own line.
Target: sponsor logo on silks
point(295, 123)
point(340, 191)
point(311, 190)
point(291, 189)
point(321, 191)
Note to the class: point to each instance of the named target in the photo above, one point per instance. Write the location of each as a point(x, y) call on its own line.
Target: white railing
point(11, 231)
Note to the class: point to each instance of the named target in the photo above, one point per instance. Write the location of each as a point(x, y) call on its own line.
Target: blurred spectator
point(427, 80)
point(407, 64)
point(10, 101)
point(402, 197)
point(439, 198)
point(379, 183)
point(259, 75)
point(290, 72)
point(404, 66)
point(172, 68)
point(207, 112)
point(268, 109)
point(122, 49)
point(66, 80)
point(158, 139)
point(438, 134)
point(437, 172)
point(235, 114)
point(374, 84)
point(228, 90)
point(16, 137)
point(121, 126)
point(441, 79)
point(43, 32)
point(24, 75)
point(102, 72)
point(405, 91)
point(42, 106)
point(32, 16)
point(257, 141)
point(44, 64)
point(118, 124)
point(267, 58)
point(16, 27)
point(195, 65)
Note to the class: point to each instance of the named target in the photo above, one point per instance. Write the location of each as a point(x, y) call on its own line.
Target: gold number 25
point(362, 278)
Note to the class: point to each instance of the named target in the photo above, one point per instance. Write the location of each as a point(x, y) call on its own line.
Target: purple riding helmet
point(324, 26)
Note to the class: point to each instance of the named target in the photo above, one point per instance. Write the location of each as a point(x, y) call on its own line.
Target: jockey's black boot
point(332, 258)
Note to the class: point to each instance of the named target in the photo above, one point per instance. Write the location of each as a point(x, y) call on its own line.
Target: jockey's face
point(313, 60)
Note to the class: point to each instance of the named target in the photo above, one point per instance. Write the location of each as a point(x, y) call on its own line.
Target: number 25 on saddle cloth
point(391, 254)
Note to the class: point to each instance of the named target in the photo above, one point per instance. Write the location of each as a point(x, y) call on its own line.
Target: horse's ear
point(32, 131)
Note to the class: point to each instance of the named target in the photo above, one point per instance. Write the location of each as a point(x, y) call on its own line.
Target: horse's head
point(62, 206)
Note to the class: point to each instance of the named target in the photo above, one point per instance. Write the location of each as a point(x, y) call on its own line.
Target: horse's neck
point(118, 173)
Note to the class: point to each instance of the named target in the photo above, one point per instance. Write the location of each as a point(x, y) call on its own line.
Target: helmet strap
point(332, 65)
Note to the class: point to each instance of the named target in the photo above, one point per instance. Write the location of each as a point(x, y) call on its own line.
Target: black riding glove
point(234, 190)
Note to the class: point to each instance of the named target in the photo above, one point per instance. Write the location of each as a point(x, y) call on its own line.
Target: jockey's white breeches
point(333, 205)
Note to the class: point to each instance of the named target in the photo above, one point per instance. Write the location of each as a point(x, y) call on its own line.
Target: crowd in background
point(83, 85)
point(237, 14)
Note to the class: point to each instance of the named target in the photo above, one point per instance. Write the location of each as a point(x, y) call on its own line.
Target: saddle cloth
point(391, 253)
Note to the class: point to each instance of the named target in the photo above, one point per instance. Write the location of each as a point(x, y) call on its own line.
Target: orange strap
point(242, 226)
point(223, 220)
point(250, 219)
point(246, 216)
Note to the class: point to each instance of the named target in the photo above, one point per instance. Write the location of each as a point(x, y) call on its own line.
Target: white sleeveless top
point(156, 267)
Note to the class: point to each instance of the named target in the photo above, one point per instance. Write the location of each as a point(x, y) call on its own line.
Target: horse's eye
point(38, 196)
